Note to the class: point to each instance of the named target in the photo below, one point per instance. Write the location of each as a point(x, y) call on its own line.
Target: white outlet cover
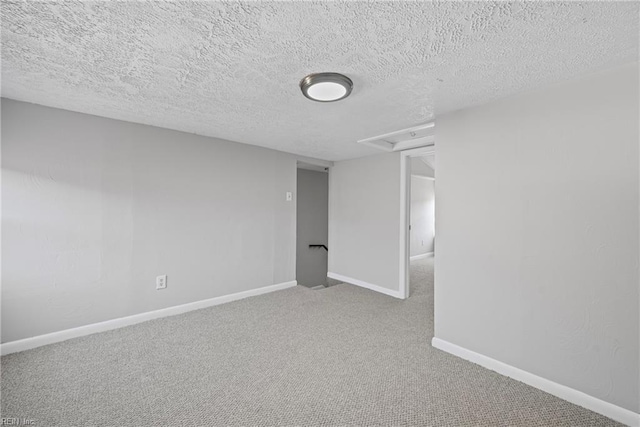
point(289, 196)
point(161, 282)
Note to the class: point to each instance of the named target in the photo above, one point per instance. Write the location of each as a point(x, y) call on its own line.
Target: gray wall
point(312, 227)
point(537, 231)
point(364, 219)
point(422, 214)
point(418, 167)
point(94, 209)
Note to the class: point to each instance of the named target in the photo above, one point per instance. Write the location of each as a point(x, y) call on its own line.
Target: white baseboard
point(576, 397)
point(421, 256)
point(364, 284)
point(54, 337)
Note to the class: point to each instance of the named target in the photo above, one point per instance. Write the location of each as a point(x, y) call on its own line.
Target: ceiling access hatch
point(418, 136)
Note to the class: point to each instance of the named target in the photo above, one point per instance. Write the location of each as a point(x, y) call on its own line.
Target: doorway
point(417, 211)
point(312, 225)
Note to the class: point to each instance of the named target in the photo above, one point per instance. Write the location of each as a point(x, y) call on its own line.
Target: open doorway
point(417, 218)
point(312, 225)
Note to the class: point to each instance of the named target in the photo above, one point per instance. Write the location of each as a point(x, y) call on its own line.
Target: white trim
point(403, 139)
point(430, 178)
point(405, 198)
point(54, 337)
point(414, 143)
point(400, 134)
point(576, 397)
point(364, 284)
point(421, 256)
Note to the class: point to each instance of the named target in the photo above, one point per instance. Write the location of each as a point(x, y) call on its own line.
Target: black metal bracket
point(319, 246)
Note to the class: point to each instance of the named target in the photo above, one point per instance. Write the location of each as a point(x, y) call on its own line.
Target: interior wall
point(312, 227)
point(94, 209)
point(422, 215)
point(364, 219)
point(418, 167)
point(538, 233)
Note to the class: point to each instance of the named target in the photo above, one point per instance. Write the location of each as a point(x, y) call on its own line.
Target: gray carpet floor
point(331, 357)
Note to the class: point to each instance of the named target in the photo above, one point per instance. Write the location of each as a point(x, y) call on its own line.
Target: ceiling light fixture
point(326, 87)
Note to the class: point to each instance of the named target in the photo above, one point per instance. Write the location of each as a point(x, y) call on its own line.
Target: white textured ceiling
point(231, 70)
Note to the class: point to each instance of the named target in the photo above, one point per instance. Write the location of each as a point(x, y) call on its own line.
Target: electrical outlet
point(161, 282)
point(289, 196)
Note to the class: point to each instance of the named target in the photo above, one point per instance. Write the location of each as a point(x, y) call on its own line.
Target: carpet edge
point(569, 394)
point(121, 322)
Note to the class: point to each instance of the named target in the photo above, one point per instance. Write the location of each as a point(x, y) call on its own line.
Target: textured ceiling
point(231, 70)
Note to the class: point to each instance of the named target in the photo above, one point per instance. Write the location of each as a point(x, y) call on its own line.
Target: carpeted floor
point(299, 357)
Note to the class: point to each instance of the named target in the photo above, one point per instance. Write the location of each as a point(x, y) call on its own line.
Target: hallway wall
point(364, 220)
point(422, 216)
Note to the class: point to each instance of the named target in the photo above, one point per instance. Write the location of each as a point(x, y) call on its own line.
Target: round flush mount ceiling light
point(326, 87)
